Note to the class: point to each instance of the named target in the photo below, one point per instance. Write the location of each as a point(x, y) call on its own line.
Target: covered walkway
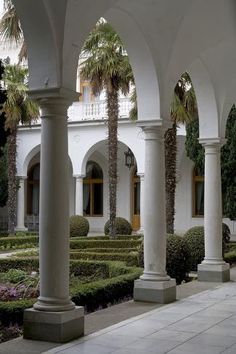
point(203, 321)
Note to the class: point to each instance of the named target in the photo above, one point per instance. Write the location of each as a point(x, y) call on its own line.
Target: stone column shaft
point(154, 284)
point(54, 208)
point(79, 194)
point(154, 211)
point(21, 205)
point(213, 267)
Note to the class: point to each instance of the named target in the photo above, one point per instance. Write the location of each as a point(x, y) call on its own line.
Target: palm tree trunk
point(113, 111)
point(12, 181)
point(170, 163)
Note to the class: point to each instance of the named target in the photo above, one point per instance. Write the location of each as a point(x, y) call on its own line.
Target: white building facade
point(163, 39)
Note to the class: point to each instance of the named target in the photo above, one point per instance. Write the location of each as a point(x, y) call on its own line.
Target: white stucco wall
point(183, 217)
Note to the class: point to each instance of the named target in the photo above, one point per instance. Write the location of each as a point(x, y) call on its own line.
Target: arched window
point(93, 190)
point(198, 192)
point(33, 190)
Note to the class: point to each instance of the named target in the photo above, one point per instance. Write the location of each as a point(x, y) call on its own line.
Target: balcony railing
point(97, 110)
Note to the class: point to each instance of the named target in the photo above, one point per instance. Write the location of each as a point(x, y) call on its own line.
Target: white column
point(21, 205)
point(142, 203)
point(154, 276)
point(213, 266)
point(79, 194)
point(54, 316)
point(54, 208)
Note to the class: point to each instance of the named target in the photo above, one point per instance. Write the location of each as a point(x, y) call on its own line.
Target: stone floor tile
point(213, 340)
point(150, 346)
point(167, 334)
point(191, 348)
point(87, 348)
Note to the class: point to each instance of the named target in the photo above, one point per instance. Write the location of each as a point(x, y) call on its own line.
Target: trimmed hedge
point(109, 250)
point(18, 242)
point(11, 312)
point(122, 227)
point(94, 295)
point(131, 259)
point(105, 292)
point(26, 264)
point(79, 226)
point(83, 244)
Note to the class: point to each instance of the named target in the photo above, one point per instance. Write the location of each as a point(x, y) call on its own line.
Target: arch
point(96, 147)
point(208, 109)
point(28, 158)
point(146, 78)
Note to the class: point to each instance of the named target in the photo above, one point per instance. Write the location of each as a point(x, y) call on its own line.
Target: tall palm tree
point(18, 108)
point(107, 68)
point(10, 28)
point(183, 110)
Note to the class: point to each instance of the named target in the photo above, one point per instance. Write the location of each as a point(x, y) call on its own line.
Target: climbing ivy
point(195, 152)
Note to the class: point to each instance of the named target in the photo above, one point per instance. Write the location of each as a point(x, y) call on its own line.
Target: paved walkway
point(203, 323)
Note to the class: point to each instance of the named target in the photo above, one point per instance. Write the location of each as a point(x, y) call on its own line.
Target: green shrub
point(194, 238)
point(105, 292)
point(14, 275)
point(79, 226)
point(230, 257)
point(131, 259)
point(87, 243)
point(123, 227)
point(11, 312)
point(117, 285)
point(17, 242)
point(25, 264)
point(226, 237)
point(177, 258)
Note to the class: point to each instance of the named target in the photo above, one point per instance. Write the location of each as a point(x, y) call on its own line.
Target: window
point(198, 192)
point(33, 190)
point(93, 190)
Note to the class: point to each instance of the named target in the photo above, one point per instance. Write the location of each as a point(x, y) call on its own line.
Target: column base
point(162, 292)
point(21, 229)
point(59, 327)
point(213, 272)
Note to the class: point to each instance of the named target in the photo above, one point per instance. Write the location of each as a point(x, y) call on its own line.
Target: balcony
point(96, 110)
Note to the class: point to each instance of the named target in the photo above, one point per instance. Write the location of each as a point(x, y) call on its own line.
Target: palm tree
point(10, 28)
point(18, 108)
point(183, 110)
point(107, 68)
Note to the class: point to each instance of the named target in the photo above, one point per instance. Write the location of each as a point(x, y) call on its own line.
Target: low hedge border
point(105, 292)
point(18, 242)
point(107, 250)
point(82, 244)
point(131, 259)
point(92, 296)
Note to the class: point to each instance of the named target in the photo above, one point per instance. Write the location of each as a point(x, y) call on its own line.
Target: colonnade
point(154, 284)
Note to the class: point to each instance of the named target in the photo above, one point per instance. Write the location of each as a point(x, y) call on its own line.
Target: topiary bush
point(194, 238)
point(178, 258)
point(123, 227)
point(79, 226)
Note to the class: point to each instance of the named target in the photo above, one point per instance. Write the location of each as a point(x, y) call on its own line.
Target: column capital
point(153, 129)
point(54, 93)
point(212, 142)
point(79, 176)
